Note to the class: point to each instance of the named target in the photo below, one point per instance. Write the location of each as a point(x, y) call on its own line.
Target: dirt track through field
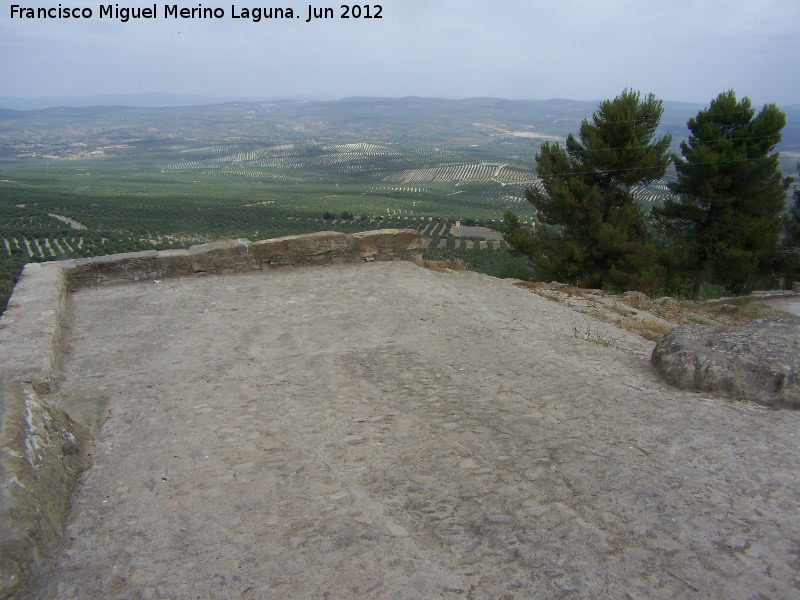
point(386, 431)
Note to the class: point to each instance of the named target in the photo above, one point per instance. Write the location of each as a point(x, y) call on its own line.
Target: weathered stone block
point(131, 266)
point(317, 247)
point(174, 263)
point(386, 244)
point(216, 257)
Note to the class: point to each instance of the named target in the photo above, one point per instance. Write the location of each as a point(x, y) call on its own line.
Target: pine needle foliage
point(726, 218)
point(592, 232)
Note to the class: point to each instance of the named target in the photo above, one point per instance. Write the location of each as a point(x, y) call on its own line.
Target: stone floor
point(386, 431)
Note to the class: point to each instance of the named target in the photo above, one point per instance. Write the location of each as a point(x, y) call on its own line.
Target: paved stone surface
point(42, 450)
point(386, 431)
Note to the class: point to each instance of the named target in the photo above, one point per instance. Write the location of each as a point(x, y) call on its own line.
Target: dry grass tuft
point(443, 266)
point(649, 329)
point(622, 309)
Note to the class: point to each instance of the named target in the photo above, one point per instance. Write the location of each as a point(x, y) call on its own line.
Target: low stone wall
point(229, 256)
point(43, 449)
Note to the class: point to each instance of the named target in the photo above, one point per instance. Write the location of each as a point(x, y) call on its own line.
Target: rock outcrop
point(758, 361)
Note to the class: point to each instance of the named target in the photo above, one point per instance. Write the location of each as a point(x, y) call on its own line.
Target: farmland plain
point(100, 180)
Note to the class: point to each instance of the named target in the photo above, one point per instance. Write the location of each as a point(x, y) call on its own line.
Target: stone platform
point(381, 430)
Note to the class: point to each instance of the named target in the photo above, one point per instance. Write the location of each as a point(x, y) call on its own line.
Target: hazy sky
point(686, 50)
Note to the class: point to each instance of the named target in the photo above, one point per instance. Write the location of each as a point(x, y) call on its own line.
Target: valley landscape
point(317, 302)
point(226, 425)
point(85, 181)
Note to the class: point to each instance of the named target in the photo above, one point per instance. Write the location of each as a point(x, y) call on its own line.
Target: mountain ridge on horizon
point(165, 100)
point(419, 119)
point(168, 99)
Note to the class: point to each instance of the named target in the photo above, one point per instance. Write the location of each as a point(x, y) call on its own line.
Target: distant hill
point(412, 120)
point(134, 100)
point(131, 100)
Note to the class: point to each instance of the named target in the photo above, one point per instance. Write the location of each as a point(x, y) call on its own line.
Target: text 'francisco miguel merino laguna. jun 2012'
point(175, 11)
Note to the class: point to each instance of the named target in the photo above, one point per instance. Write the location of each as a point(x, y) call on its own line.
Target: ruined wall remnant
point(43, 450)
point(231, 256)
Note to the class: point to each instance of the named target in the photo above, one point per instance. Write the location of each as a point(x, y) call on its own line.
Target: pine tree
point(592, 232)
point(725, 222)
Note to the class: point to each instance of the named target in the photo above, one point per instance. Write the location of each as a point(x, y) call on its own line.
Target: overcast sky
point(687, 50)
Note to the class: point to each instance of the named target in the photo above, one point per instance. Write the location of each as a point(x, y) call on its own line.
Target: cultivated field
point(167, 195)
point(87, 181)
point(153, 194)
